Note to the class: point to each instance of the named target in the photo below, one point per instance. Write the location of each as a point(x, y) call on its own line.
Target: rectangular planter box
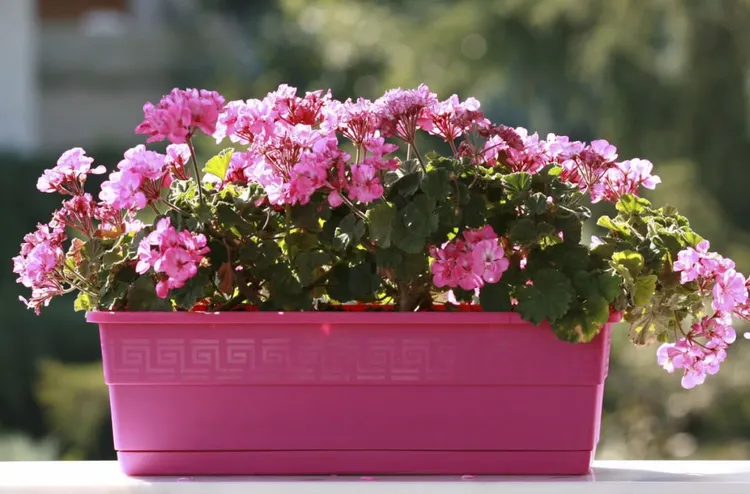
point(349, 393)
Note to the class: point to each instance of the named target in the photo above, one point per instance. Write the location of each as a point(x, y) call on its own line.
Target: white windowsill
point(638, 477)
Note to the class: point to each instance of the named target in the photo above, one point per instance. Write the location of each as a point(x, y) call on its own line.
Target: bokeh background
point(667, 80)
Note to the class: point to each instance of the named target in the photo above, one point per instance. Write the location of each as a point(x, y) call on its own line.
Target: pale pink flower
point(70, 173)
point(729, 291)
point(177, 159)
point(624, 178)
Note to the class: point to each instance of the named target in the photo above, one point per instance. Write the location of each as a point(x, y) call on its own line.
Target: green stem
point(354, 208)
point(419, 158)
point(189, 142)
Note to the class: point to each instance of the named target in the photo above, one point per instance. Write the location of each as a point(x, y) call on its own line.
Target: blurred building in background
point(79, 71)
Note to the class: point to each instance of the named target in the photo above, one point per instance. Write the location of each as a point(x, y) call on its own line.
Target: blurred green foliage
point(666, 80)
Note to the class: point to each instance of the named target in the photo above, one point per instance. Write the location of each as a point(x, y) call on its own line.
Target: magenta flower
point(400, 109)
point(516, 150)
point(365, 186)
point(449, 119)
point(172, 254)
point(178, 264)
point(357, 121)
point(470, 262)
point(179, 113)
point(489, 260)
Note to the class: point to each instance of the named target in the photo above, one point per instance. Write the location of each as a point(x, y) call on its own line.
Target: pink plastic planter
point(349, 393)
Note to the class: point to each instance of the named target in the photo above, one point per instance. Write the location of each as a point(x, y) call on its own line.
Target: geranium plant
point(318, 204)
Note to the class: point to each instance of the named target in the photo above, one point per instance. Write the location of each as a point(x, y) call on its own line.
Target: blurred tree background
point(667, 80)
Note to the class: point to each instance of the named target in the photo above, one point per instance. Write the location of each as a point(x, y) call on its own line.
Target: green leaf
point(194, 289)
point(631, 204)
point(647, 324)
point(349, 232)
point(363, 281)
point(495, 297)
point(567, 258)
point(613, 225)
point(474, 213)
point(610, 285)
point(437, 184)
point(585, 284)
point(308, 216)
point(548, 299)
point(576, 327)
point(338, 285)
point(83, 302)
point(300, 241)
point(309, 265)
point(403, 185)
point(414, 224)
point(597, 310)
point(113, 293)
point(412, 266)
point(142, 296)
point(219, 164)
point(536, 203)
point(388, 258)
point(524, 232)
point(645, 288)
point(628, 262)
point(285, 291)
point(692, 238)
point(381, 219)
point(517, 185)
point(570, 224)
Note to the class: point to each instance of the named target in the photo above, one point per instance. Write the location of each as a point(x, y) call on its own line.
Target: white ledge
point(607, 477)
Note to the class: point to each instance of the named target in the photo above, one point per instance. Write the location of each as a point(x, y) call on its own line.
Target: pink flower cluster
point(174, 255)
point(592, 167)
point(293, 146)
point(695, 359)
point(141, 176)
point(179, 113)
point(400, 111)
point(70, 173)
point(712, 270)
point(469, 262)
point(40, 264)
point(729, 295)
point(449, 119)
point(625, 177)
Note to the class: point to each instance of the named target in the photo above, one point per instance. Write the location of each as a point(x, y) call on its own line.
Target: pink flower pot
point(349, 393)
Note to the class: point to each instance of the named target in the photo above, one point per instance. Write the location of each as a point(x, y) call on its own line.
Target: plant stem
point(354, 208)
point(419, 158)
point(174, 207)
point(189, 141)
